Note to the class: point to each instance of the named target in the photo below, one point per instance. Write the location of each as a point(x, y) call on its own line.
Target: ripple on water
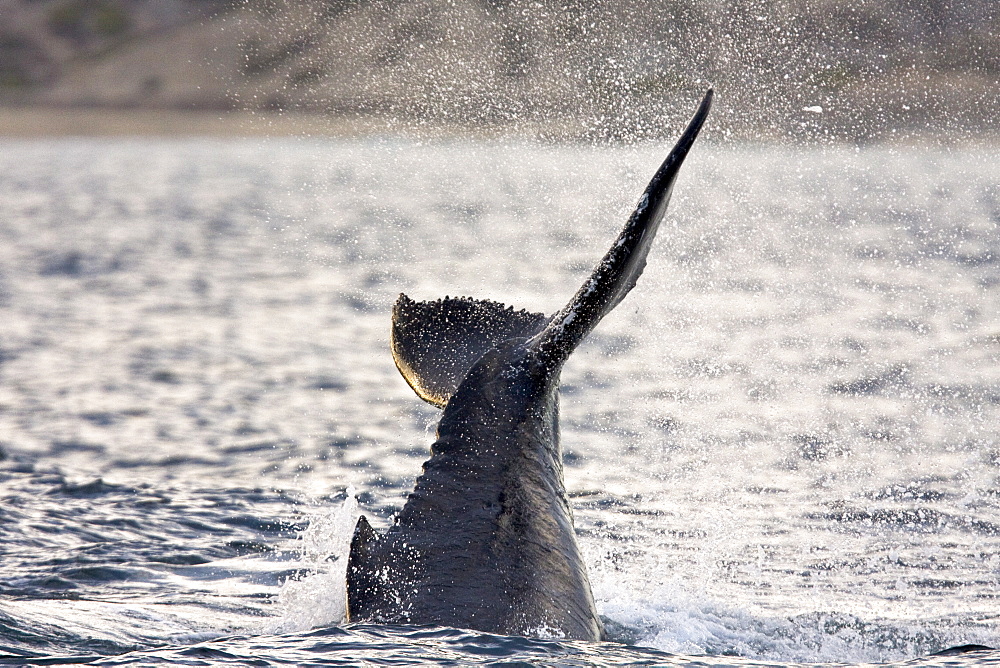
point(782, 446)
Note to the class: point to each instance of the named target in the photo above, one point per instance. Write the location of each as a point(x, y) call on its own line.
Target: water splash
point(316, 595)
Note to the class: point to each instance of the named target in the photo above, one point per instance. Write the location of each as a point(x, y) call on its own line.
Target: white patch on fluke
point(813, 110)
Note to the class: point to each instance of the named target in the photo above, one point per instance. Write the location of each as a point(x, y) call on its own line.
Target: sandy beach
point(27, 122)
point(30, 122)
point(96, 122)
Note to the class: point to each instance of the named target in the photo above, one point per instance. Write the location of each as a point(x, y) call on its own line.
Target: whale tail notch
point(617, 272)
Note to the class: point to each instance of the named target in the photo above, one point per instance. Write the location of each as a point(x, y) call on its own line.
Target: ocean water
point(781, 448)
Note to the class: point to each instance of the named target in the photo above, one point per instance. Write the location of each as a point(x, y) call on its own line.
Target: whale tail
point(399, 575)
point(435, 344)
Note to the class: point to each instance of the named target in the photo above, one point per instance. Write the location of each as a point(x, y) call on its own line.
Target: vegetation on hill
point(859, 69)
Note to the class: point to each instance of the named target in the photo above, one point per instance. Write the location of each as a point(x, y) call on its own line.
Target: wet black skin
point(486, 538)
point(494, 513)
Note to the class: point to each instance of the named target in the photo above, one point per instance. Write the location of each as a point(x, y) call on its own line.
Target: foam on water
point(317, 594)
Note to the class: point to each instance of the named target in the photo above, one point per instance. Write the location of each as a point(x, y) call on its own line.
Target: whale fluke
point(486, 538)
point(435, 343)
point(617, 272)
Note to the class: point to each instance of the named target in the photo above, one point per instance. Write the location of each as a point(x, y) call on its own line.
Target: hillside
point(620, 68)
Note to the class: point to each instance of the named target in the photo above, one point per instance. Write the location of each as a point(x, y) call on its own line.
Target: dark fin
point(621, 267)
point(361, 585)
point(435, 344)
point(963, 649)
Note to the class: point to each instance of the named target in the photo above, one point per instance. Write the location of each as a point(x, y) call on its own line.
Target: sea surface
point(782, 447)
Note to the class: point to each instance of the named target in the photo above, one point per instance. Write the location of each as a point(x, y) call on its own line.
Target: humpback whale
point(485, 541)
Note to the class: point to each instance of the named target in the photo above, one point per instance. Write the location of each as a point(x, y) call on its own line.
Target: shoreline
point(26, 122)
point(36, 122)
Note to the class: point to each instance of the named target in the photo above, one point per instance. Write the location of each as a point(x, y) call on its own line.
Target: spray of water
point(316, 595)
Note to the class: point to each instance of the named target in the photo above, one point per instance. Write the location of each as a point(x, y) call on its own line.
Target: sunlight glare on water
point(780, 447)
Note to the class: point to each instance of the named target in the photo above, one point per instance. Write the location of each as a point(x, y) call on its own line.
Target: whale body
point(486, 541)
